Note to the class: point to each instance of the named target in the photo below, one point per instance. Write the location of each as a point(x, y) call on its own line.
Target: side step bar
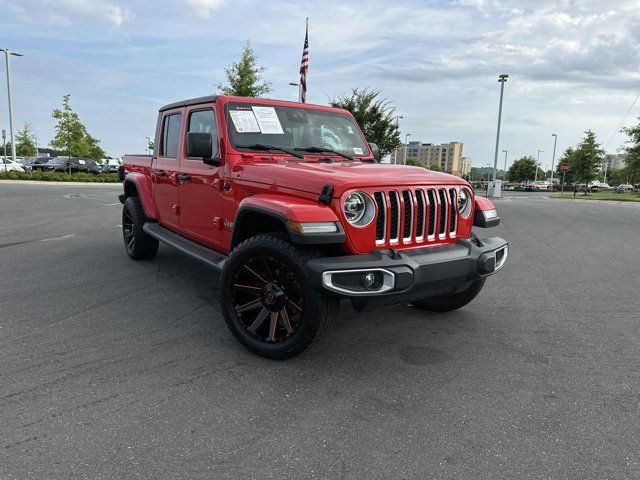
point(192, 249)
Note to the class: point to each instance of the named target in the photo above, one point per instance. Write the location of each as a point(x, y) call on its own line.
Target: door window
point(171, 135)
point(203, 121)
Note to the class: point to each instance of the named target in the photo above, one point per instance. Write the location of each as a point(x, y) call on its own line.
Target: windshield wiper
point(260, 146)
point(325, 150)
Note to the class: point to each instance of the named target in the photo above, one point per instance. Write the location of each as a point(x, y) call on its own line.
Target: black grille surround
point(416, 215)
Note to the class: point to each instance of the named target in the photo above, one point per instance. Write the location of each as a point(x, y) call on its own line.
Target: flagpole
point(306, 37)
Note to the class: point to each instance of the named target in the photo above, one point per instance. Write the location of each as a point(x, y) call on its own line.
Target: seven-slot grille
point(415, 215)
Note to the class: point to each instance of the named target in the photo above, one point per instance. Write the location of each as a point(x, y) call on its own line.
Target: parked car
point(287, 201)
point(8, 165)
point(624, 187)
point(109, 168)
point(66, 164)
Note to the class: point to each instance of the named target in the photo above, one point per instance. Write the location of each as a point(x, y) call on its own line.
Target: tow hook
point(476, 240)
point(394, 254)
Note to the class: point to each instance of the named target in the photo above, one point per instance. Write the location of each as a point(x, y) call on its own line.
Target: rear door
point(201, 184)
point(165, 169)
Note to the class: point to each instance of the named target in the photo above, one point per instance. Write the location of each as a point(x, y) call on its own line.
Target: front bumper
point(409, 274)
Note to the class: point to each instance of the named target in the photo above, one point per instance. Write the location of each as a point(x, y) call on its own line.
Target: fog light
point(372, 280)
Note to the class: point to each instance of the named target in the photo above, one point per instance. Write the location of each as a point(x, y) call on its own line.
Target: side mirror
point(375, 150)
point(201, 145)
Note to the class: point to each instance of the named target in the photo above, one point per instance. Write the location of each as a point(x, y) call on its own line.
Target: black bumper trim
point(418, 271)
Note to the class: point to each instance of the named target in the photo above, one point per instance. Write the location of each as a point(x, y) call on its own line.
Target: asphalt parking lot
point(111, 368)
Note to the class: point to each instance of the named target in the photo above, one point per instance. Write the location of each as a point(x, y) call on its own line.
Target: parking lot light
point(502, 79)
point(537, 162)
point(7, 54)
point(553, 157)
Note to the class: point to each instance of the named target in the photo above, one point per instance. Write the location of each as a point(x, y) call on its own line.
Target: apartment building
point(448, 156)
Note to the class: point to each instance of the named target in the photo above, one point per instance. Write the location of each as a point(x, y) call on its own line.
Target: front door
point(201, 184)
point(165, 169)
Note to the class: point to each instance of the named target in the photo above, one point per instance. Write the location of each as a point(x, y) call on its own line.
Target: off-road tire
point(448, 303)
point(138, 244)
point(318, 310)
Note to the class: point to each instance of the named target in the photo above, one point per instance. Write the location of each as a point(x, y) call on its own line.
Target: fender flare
point(283, 209)
point(141, 185)
point(486, 214)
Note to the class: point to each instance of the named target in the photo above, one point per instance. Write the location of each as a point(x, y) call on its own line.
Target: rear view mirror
point(200, 145)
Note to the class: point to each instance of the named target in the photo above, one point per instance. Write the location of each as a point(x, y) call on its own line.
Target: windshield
point(293, 128)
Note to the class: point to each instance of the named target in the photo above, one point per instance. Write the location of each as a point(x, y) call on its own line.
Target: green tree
point(375, 116)
point(632, 167)
point(586, 159)
point(71, 135)
point(25, 144)
point(244, 76)
point(524, 169)
point(414, 162)
point(616, 176)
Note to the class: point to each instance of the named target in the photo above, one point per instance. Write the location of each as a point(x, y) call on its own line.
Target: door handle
point(160, 173)
point(184, 178)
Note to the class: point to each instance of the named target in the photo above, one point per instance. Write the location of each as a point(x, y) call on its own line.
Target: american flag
point(304, 65)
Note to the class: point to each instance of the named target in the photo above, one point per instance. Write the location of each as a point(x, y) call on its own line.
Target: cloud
point(203, 8)
point(65, 13)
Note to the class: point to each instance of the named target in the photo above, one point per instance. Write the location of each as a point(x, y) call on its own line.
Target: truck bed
point(137, 163)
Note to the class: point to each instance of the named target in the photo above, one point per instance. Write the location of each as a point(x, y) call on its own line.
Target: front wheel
point(138, 244)
point(267, 299)
point(447, 303)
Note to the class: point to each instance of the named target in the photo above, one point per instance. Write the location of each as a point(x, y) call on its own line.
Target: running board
point(192, 249)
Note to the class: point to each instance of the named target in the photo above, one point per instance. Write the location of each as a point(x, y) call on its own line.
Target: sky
point(572, 65)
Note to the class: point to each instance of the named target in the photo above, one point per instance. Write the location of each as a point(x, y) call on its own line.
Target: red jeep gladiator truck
point(287, 202)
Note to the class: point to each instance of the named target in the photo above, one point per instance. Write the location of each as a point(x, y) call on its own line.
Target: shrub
point(60, 177)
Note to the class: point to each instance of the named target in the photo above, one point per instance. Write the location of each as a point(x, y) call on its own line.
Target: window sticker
point(268, 120)
point(357, 151)
point(244, 121)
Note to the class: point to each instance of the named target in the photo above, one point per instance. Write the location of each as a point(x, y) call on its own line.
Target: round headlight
point(464, 202)
point(358, 209)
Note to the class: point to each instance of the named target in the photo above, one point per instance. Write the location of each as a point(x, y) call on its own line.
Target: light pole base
point(495, 189)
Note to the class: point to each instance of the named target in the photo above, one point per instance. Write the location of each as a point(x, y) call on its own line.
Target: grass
point(608, 196)
point(60, 177)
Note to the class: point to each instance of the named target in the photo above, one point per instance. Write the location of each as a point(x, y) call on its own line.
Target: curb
point(79, 184)
point(616, 202)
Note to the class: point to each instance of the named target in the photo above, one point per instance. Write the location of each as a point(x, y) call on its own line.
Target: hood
point(312, 176)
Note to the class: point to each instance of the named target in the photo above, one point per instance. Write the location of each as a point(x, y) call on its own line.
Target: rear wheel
point(447, 303)
point(137, 243)
point(267, 300)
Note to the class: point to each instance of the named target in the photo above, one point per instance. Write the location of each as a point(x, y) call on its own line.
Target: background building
point(465, 166)
point(447, 156)
point(616, 160)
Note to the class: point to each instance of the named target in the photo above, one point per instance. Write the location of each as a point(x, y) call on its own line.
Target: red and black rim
point(267, 298)
point(127, 229)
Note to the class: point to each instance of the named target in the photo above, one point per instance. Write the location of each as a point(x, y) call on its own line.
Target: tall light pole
point(537, 162)
point(553, 158)
point(294, 84)
point(395, 151)
point(406, 145)
point(502, 79)
point(7, 54)
point(505, 165)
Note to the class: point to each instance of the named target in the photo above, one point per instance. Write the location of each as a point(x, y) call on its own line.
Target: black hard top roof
point(190, 101)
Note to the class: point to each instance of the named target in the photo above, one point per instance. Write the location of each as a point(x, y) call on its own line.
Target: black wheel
point(267, 300)
point(137, 243)
point(447, 303)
